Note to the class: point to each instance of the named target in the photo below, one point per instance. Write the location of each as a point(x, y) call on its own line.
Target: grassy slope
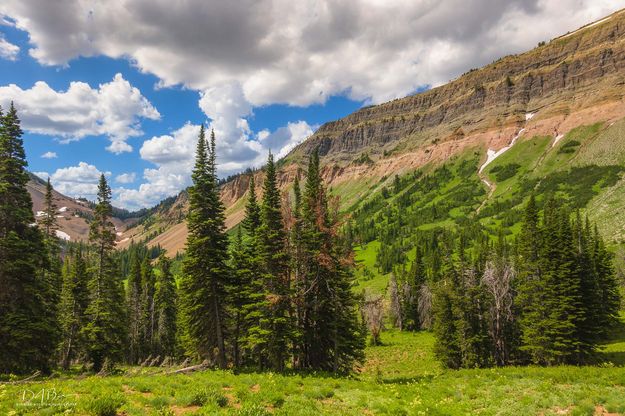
point(400, 377)
point(599, 152)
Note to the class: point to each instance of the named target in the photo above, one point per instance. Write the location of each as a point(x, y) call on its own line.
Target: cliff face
point(576, 79)
point(500, 93)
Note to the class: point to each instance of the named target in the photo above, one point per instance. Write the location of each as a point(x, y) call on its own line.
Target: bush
point(104, 405)
point(205, 396)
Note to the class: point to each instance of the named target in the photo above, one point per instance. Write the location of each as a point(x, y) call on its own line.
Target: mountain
point(548, 120)
point(73, 214)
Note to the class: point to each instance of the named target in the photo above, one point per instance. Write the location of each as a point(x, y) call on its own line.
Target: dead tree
point(373, 315)
point(498, 280)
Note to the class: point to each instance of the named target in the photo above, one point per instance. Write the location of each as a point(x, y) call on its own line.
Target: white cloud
point(299, 52)
point(113, 109)
point(77, 181)
point(126, 177)
point(8, 50)
point(284, 139)
point(174, 156)
point(42, 175)
point(49, 155)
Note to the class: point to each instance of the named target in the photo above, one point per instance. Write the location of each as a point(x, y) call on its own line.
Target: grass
point(400, 377)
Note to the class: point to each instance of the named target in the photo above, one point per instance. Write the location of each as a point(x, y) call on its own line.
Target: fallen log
point(24, 380)
point(191, 369)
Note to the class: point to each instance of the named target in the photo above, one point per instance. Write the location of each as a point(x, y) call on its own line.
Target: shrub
point(104, 405)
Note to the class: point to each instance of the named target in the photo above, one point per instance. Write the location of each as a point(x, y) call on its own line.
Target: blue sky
point(122, 87)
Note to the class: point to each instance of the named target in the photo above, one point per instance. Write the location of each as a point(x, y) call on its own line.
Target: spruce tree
point(531, 287)
point(205, 272)
point(74, 301)
point(165, 304)
point(105, 331)
point(28, 326)
point(332, 337)
point(239, 292)
point(272, 248)
point(148, 321)
point(254, 297)
point(134, 290)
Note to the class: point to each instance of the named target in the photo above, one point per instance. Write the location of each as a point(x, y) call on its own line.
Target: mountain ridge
point(573, 80)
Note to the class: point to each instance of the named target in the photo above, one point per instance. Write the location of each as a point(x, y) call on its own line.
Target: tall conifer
point(205, 272)
point(105, 332)
point(28, 327)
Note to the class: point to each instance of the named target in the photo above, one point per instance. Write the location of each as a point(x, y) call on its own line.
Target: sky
point(121, 87)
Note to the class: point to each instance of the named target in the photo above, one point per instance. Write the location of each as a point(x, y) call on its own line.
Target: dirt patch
point(255, 388)
point(602, 411)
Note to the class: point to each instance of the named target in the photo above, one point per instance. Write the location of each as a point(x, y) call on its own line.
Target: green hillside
point(584, 170)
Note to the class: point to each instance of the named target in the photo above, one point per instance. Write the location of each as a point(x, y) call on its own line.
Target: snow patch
point(40, 214)
point(118, 233)
point(60, 216)
point(558, 138)
point(492, 154)
point(62, 209)
point(63, 235)
point(529, 116)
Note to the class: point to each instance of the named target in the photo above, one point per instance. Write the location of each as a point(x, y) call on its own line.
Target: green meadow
point(400, 377)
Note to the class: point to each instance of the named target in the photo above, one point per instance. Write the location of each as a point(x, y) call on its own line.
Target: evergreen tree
point(607, 302)
point(251, 222)
point(165, 300)
point(28, 326)
point(332, 338)
point(205, 272)
point(74, 301)
point(532, 287)
point(272, 248)
point(134, 295)
point(253, 298)
point(239, 292)
point(148, 319)
point(105, 331)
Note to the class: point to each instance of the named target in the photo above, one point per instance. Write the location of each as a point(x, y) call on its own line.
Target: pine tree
point(254, 297)
point(165, 301)
point(74, 301)
point(148, 320)
point(531, 287)
point(608, 300)
point(205, 272)
point(105, 332)
point(251, 222)
point(239, 292)
point(272, 248)
point(332, 339)
point(28, 326)
point(134, 290)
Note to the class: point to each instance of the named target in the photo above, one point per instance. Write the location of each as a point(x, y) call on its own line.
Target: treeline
point(277, 296)
point(548, 297)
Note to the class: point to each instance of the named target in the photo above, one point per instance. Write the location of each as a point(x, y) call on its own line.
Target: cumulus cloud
point(174, 155)
point(8, 50)
point(77, 181)
point(284, 139)
point(113, 109)
point(299, 52)
point(49, 155)
point(126, 178)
